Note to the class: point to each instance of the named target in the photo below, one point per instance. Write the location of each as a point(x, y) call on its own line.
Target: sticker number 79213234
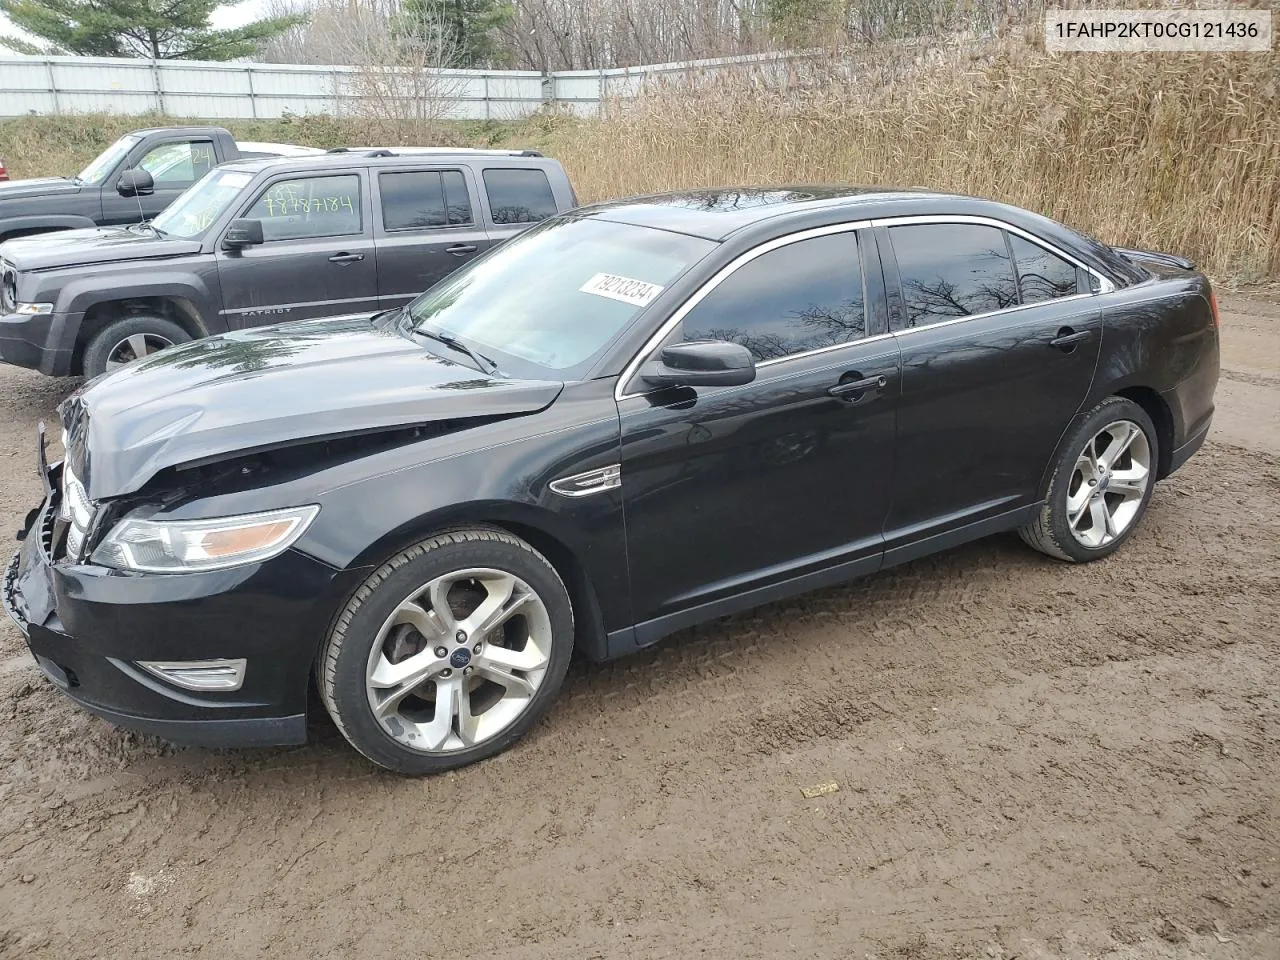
point(636, 292)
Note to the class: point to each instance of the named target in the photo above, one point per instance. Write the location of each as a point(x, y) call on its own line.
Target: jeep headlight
point(187, 546)
point(33, 309)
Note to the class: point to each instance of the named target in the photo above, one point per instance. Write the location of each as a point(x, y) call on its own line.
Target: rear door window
point(519, 196)
point(424, 198)
point(951, 270)
point(1042, 275)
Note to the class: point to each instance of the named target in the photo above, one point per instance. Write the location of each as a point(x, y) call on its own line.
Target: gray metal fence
point(190, 88)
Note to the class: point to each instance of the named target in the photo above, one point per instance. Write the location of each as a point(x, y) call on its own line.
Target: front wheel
point(449, 652)
point(1101, 484)
point(132, 338)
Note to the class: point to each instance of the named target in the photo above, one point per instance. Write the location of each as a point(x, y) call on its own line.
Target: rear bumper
point(43, 342)
point(1184, 453)
point(88, 628)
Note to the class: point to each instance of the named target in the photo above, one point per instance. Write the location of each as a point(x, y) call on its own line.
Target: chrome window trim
point(819, 350)
point(925, 218)
point(905, 331)
point(724, 272)
point(1105, 285)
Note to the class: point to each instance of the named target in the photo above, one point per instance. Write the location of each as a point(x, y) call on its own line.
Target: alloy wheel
point(135, 347)
point(459, 660)
point(1108, 484)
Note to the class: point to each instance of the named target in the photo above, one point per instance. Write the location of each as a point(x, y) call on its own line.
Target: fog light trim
point(202, 675)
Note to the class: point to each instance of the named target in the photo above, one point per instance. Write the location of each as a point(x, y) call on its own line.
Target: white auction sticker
point(636, 292)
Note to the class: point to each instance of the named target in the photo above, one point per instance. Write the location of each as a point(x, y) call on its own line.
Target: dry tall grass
point(1172, 152)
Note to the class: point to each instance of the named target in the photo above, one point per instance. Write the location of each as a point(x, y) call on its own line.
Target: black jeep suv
point(260, 241)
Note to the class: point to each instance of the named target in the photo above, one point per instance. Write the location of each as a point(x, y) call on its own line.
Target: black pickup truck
point(174, 157)
point(262, 241)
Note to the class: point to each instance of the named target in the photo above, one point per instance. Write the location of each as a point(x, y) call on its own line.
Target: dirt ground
point(1033, 760)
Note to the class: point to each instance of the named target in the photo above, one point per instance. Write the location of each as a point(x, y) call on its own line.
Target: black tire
point(344, 658)
point(1049, 531)
point(155, 329)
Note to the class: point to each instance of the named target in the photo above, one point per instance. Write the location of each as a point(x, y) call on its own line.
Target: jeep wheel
point(132, 338)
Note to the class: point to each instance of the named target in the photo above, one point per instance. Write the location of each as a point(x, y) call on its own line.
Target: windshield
point(550, 300)
point(201, 204)
point(97, 171)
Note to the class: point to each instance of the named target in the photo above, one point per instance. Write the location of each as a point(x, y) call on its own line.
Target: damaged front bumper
point(91, 629)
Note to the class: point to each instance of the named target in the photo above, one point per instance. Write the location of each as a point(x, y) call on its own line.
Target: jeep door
point(427, 225)
point(317, 254)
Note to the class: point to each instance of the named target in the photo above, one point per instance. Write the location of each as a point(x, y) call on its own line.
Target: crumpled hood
point(270, 386)
point(76, 248)
point(35, 187)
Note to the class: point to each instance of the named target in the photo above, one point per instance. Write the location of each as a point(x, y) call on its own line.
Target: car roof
point(184, 128)
point(755, 213)
point(716, 213)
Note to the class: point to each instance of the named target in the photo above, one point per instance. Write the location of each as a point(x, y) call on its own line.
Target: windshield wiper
point(483, 363)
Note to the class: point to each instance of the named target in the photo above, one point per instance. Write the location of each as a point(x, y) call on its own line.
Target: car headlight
point(185, 546)
point(32, 309)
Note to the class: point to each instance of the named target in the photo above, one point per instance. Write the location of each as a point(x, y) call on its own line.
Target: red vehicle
point(4, 174)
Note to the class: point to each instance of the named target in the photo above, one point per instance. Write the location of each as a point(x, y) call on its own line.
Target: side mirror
point(242, 233)
point(135, 182)
point(700, 363)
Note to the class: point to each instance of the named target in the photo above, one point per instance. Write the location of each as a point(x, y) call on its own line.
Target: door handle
point(461, 249)
point(853, 389)
point(346, 258)
point(1067, 339)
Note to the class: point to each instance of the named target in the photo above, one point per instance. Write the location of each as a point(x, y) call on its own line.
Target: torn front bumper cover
point(98, 636)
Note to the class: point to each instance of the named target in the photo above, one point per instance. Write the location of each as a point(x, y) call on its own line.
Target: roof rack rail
point(377, 152)
point(530, 153)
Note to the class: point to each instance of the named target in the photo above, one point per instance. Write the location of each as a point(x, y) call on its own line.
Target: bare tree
point(401, 82)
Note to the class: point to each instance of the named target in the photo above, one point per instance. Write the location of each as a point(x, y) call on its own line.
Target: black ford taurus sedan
point(632, 418)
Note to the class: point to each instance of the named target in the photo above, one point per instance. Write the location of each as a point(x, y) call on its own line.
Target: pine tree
point(155, 29)
point(464, 29)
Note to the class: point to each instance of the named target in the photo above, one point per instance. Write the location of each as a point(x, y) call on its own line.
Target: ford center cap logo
point(460, 658)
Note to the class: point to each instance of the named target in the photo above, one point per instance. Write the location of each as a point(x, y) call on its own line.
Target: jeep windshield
point(106, 161)
point(551, 300)
point(201, 204)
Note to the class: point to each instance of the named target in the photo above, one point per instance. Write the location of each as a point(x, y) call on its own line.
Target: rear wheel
point(1101, 484)
point(449, 652)
point(129, 339)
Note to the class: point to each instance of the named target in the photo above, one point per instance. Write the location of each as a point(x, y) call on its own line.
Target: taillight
point(1213, 308)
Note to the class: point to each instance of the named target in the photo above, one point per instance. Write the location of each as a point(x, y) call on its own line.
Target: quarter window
point(519, 196)
point(426, 198)
point(1041, 275)
point(951, 270)
point(309, 207)
point(178, 164)
point(801, 296)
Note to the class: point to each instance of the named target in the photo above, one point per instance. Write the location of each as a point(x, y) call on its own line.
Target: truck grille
point(8, 287)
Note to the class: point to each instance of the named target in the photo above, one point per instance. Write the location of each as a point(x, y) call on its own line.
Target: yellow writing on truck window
point(290, 205)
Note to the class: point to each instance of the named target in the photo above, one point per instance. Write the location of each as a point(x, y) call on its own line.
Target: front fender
point(80, 295)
